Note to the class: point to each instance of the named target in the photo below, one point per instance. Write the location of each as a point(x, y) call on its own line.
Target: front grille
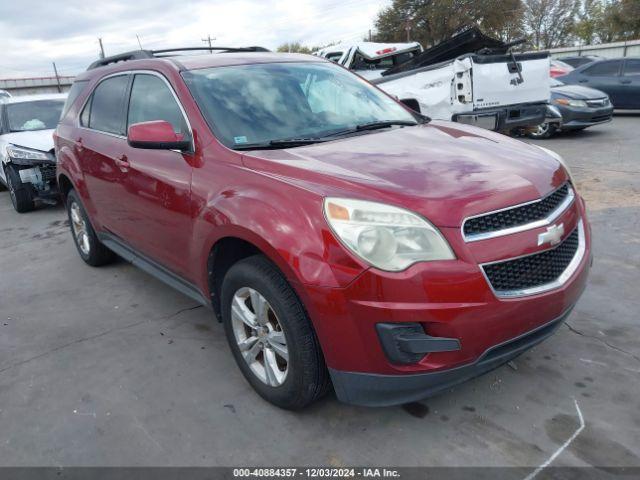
point(516, 216)
point(601, 118)
point(601, 102)
point(533, 270)
point(48, 172)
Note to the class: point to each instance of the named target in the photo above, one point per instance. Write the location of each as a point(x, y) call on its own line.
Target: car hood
point(578, 92)
point(445, 171)
point(36, 139)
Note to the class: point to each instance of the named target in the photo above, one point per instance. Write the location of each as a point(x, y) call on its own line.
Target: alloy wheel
point(259, 336)
point(541, 130)
point(79, 227)
point(12, 190)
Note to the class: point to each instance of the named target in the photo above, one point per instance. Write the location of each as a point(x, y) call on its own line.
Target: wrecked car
point(470, 78)
point(26, 148)
point(370, 59)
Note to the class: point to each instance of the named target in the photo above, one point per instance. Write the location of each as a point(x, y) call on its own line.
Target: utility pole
point(139, 42)
point(369, 34)
point(101, 47)
point(208, 40)
point(55, 70)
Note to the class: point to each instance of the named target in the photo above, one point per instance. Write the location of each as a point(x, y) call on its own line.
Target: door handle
point(625, 82)
point(583, 80)
point(123, 163)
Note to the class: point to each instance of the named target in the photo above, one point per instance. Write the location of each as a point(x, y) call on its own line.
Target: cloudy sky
point(33, 33)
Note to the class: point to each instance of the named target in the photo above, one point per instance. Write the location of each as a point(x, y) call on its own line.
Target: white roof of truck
point(371, 50)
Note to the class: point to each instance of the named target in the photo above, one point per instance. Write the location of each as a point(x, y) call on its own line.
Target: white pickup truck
point(470, 78)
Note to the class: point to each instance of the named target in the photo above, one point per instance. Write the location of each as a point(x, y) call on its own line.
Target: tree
point(627, 19)
point(294, 47)
point(432, 21)
point(547, 23)
point(590, 22)
point(551, 23)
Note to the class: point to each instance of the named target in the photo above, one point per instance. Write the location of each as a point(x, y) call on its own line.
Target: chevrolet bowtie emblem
point(552, 236)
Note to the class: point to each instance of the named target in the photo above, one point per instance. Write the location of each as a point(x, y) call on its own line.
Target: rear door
point(604, 76)
point(630, 80)
point(100, 143)
point(157, 183)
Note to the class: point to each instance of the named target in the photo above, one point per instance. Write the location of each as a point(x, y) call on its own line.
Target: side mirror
point(158, 135)
point(412, 103)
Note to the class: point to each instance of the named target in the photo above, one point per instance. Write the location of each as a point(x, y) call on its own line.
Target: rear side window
point(609, 68)
point(76, 90)
point(632, 67)
point(106, 105)
point(151, 99)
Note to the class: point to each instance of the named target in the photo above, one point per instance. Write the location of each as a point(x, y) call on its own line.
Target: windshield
point(257, 104)
point(36, 115)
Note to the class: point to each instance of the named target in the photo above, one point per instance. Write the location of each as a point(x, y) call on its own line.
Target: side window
point(606, 69)
point(632, 67)
point(151, 99)
point(86, 112)
point(334, 57)
point(76, 90)
point(106, 105)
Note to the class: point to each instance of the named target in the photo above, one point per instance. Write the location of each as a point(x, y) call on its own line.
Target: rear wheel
point(271, 336)
point(544, 130)
point(20, 193)
point(91, 250)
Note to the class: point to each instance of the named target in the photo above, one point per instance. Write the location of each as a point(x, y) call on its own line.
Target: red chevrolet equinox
point(343, 239)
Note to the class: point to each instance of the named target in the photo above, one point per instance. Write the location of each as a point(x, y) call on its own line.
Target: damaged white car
point(28, 162)
point(470, 78)
point(370, 59)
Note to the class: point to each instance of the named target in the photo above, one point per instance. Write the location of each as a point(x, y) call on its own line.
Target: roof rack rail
point(145, 54)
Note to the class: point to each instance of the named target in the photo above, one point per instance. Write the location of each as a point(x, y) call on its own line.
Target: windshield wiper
point(299, 142)
point(372, 126)
point(281, 143)
point(384, 124)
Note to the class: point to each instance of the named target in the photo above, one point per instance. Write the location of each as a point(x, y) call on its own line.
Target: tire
point(91, 250)
point(20, 193)
point(305, 377)
point(544, 131)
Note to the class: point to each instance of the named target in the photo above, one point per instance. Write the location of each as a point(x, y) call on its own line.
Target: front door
point(157, 183)
point(630, 81)
point(605, 76)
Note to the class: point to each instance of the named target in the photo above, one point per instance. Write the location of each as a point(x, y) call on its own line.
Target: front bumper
point(40, 177)
point(505, 118)
point(576, 118)
point(450, 300)
point(374, 390)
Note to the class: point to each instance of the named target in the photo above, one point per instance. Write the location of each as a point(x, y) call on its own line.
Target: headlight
point(386, 237)
point(22, 153)
point(559, 158)
point(571, 103)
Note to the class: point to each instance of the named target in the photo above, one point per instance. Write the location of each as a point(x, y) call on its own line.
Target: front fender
point(69, 166)
point(283, 221)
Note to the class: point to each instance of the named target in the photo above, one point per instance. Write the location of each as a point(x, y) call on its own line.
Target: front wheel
point(544, 130)
point(20, 193)
point(271, 336)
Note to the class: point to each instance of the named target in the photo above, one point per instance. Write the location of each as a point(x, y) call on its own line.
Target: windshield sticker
point(240, 140)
